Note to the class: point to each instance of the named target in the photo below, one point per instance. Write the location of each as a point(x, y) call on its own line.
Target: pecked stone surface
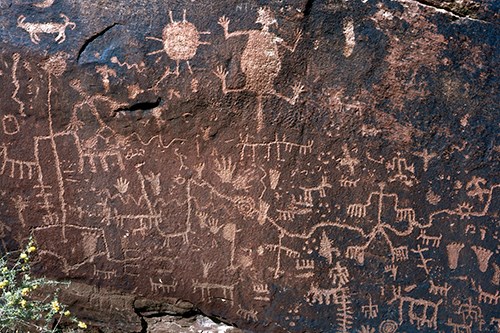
point(303, 166)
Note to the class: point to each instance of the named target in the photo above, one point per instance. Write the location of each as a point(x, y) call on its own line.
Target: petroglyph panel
point(298, 166)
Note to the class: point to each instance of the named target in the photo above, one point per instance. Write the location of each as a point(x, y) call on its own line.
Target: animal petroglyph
point(422, 312)
point(434, 241)
point(260, 61)
point(207, 290)
point(439, 290)
point(486, 297)
point(34, 29)
point(180, 43)
point(277, 144)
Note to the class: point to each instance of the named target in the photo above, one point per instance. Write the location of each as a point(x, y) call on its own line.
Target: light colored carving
point(180, 41)
point(426, 157)
point(15, 81)
point(347, 160)
point(248, 315)
point(370, 310)
point(16, 168)
point(483, 256)
point(326, 249)
point(346, 182)
point(260, 61)
point(496, 275)
point(140, 67)
point(163, 287)
point(424, 261)
point(34, 29)
point(475, 188)
point(388, 326)
point(404, 172)
point(339, 274)
point(105, 72)
point(470, 311)
point(439, 290)
point(274, 177)
point(207, 289)
point(486, 297)
point(459, 328)
point(433, 241)
point(419, 310)
point(10, 124)
point(277, 144)
point(350, 37)
point(453, 250)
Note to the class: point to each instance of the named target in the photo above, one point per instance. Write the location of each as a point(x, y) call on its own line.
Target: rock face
point(319, 166)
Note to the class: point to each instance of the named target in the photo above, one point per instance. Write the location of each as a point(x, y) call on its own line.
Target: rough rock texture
point(284, 166)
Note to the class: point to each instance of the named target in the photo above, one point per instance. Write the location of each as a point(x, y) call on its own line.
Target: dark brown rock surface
point(284, 166)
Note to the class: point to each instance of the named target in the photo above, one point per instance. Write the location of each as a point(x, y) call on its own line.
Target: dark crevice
point(308, 8)
point(92, 38)
point(460, 12)
point(144, 324)
point(141, 106)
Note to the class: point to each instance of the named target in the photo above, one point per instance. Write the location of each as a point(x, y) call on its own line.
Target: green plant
point(23, 308)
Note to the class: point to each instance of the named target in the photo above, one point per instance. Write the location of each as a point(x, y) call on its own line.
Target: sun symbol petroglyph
point(180, 42)
point(260, 61)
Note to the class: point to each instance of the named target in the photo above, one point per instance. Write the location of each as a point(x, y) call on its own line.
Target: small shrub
point(22, 307)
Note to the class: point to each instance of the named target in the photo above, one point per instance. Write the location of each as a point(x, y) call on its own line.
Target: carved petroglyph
point(339, 275)
point(274, 177)
point(208, 289)
point(433, 241)
point(10, 124)
point(44, 4)
point(483, 256)
point(262, 291)
point(459, 328)
point(420, 251)
point(140, 67)
point(34, 29)
point(277, 145)
point(347, 160)
point(350, 37)
point(439, 290)
point(326, 248)
point(180, 41)
point(475, 188)
point(486, 297)
point(163, 287)
point(388, 326)
point(260, 61)
point(15, 168)
point(248, 315)
point(453, 250)
point(346, 182)
point(339, 296)
point(422, 312)
point(496, 275)
point(105, 72)
point(370, 310)
point(470, 312)
point(426, 157)
point(15, 81)
point(403, 171)
point(321, 189)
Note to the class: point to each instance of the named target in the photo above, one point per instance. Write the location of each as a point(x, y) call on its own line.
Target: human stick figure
point(260, 61)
